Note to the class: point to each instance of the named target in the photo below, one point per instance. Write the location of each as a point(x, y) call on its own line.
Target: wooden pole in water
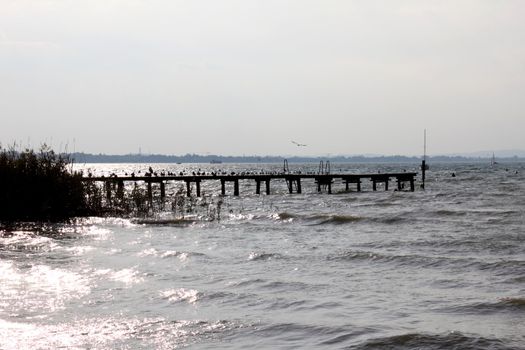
point(162, 190)
point(120, 189)
point(236, 187)
point(188, 189)
point(268, 186)
point(150, 193)
point(108, 191)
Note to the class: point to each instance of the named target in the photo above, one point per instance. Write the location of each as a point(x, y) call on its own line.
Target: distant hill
point(196, 158)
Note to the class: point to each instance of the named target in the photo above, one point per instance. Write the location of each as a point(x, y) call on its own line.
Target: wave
point(318, 219)
point(287, 286)
point(320, 335)
point(283, 304)
point(264, 256)
point(334, 219)
point(449, 213)
point(404, 260)
point(508, 304)
point(452, 340)
point(392, 220)
point(167, 222)
point(284, 216)
point(182, 256)
point(190, 296)
point(247, 282)
point(514, 267)
point(127, 276)
point(29, 242)
point(503, 267)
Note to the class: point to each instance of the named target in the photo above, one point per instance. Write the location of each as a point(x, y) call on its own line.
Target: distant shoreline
point(196, 158)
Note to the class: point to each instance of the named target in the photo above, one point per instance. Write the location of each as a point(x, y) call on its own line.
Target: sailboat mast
point(423, 163)
point(425, 144)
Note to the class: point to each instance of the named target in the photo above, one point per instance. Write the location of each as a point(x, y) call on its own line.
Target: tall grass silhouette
point(40, 187)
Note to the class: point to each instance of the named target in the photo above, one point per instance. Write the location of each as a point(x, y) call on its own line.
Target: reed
point(39, 187)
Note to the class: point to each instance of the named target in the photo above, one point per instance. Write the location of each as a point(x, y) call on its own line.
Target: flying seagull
point(299, 144)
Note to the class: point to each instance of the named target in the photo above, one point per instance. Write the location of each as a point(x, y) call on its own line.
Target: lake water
point(441, 268)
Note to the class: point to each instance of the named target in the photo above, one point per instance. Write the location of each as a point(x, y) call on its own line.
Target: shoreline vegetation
point(196, 158)
point(40, 187)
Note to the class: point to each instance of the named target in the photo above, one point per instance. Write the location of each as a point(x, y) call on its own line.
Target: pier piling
point(198, 187)
point(162, 190)
point(236, 187)
point(120, 189)
point(108, 185)
point(188, 188)
point(150, 193)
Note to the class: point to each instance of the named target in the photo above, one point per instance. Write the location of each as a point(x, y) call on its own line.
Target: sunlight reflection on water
point(31, 290)
point(109, 332)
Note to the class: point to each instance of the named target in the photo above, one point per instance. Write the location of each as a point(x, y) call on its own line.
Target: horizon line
point(201, 155)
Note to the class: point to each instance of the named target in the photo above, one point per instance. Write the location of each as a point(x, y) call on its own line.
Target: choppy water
point(442, 268)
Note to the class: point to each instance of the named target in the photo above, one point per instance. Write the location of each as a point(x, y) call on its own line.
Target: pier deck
point(293, 181)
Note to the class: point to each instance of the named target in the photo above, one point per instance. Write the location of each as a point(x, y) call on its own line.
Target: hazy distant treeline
point(196, 158)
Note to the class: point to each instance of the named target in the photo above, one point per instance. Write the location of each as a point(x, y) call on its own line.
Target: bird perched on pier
point(298, 144)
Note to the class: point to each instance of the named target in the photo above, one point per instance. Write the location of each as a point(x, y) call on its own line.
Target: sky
point(234, 77)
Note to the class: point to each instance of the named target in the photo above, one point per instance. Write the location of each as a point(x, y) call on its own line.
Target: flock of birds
point(152, 173)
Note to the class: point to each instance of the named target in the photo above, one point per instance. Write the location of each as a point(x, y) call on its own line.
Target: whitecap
point(169, 253)
point(127, 276)
point(148, 252)
point(80, 250)
point(190, 296)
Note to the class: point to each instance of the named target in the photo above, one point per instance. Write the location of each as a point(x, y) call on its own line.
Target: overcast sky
point(247, 77)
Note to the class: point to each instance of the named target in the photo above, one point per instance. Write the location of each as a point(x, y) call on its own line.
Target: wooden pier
point(294, 181)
